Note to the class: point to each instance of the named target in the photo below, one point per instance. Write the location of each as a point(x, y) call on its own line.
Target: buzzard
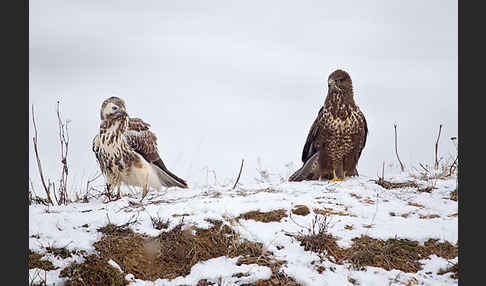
point(337, 136)
point(127, 153)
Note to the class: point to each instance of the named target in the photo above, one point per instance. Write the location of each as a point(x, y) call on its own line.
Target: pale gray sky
point(224, 80)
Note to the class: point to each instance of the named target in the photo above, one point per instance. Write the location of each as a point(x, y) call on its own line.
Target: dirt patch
point(95, 271)
point(35, 261)
point(301, 210)
point(275, 215)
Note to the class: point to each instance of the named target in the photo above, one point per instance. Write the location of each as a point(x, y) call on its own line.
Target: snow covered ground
point(360, 205)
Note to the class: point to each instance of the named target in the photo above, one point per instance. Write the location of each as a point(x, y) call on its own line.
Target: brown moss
point(35, 261)
point(301, 210)
point(275, 215)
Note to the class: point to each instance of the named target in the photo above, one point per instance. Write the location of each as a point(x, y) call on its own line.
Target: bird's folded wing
point(144, 142)
point(311, 146)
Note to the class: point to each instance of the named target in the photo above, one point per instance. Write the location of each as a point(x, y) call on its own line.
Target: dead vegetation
point(330, 211)
point(390, 185)
point(94, 271)
point(454, 195)
point(169, 255)
point(454, 269)
point(271, 216)
point(36, 261)
point(401, 254)
point(301, 210)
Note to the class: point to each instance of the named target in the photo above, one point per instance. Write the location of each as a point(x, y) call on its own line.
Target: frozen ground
point(357, 202)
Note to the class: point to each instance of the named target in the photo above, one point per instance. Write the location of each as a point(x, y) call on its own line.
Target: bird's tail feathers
point(168, 179)
point(309, 171)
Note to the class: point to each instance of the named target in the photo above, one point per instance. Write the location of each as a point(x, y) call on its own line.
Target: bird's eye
point(114, 107)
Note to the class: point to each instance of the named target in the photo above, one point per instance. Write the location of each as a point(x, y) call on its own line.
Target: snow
point(75, 226)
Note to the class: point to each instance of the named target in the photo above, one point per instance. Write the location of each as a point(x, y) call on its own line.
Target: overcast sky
point(224, 80)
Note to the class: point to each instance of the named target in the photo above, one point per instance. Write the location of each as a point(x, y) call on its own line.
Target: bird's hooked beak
point(122, 112)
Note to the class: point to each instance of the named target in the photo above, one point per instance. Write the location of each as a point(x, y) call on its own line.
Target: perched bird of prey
point(127, 153)
point(337, 136)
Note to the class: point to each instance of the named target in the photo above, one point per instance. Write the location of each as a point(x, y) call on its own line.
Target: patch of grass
point(401, 254)
point(454, 269)
point(454, 195)
point(415, 205)
point(301, 210)
point(173, 253)
point(275, 215)
point(330, 211)
point(159, 223)
point(35, 261)
point(61, 252)
point(389, 185)
point(94, 271)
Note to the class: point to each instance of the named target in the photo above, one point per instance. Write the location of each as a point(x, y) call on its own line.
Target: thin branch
point(396, 150)
point(39, 165)
point(437, 148)
point(239, 174)
point(64, 142)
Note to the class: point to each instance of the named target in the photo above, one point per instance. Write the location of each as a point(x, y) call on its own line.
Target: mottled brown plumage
point(337, 136)
point(127, 153)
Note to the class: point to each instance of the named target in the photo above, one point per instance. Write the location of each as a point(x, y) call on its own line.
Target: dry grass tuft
point(330, 211)
point(301, 210)
point(94, 271)
point(275, 215)
point(35, 261)
point(389, 185)
point(159, 223)
point(454, 195)
point(170, 255)
point(401, 254)
point(454, 269)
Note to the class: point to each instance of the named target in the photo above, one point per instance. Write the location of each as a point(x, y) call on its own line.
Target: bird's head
point(113, 108)
point(339, 82)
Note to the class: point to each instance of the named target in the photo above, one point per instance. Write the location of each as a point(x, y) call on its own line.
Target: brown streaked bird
point(337, 136)
point(127, 153)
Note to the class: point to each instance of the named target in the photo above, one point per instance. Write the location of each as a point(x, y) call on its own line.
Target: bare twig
point(239, 174)
point(437, 148)
point(426, 170)
point(64, 142)
point(39, 165)
point(396, 150)
point(454, 164)
point(88, 188)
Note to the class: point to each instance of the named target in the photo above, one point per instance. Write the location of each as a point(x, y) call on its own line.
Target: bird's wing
point(311, 146)
point(144, 142)
point(365, 127)
point(95, 148)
